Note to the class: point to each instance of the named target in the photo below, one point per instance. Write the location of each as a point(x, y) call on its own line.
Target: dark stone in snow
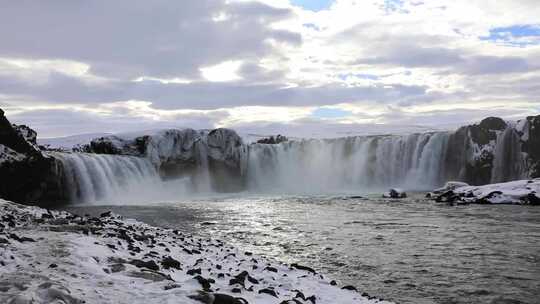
point(205, 283)
point(309, 269)
point(169, 262)
point(194, 271)
point(118, 267)
point(217, 298)
point(106, 214)
point(270, 268)
point(146, 264)
point(268, 291)
point(349, 287)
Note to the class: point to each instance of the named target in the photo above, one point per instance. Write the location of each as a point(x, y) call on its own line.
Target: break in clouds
point(266, 66)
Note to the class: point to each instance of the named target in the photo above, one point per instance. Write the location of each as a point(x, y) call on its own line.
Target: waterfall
point(508, 160)
point(179, 163)
point(95, 177)
point(415, 161)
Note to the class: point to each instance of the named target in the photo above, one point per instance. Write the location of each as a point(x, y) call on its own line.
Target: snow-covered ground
point(516, 192)
point(56, 257)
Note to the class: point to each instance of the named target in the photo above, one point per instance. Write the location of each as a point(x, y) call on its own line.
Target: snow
point(69, 142)
point(8, 155)
point(71, 259)
point(515, 192)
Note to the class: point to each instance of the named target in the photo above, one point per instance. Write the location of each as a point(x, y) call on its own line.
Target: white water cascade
point(176, 165)
point(94, 177)
point(316, 166)
point(508, 160)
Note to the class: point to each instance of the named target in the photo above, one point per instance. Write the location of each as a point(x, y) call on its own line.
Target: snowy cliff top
point(51, 256)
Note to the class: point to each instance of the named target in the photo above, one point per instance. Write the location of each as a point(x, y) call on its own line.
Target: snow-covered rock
point(515, 192)
point(56, 257)
point(451, 185)
point(165, 147)
point(395, 193)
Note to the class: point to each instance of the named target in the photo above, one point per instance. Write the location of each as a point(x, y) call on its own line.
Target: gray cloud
point(50, 123)
point(203, 95)
point(129, 38)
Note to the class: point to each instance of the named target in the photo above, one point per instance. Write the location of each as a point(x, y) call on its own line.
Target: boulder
point(395, 193)
point(515, 192)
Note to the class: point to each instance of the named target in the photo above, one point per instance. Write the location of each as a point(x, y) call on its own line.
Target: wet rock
point(106, 214)
point(349, 287)
point(395, 193)
point(300, 267)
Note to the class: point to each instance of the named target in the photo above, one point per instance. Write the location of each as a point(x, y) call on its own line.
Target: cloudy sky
point(70, 66)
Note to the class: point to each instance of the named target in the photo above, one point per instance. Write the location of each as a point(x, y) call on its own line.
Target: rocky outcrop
point(27, 174)
point(491, 151)
point(530, 136)
point(515, 192)
point(179, 153)
point(273, 140)
point(494, 151)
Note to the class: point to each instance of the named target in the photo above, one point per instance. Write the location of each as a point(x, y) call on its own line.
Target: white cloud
point(224, 71)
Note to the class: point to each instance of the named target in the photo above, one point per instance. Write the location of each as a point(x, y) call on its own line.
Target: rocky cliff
point(491, 151)
point(187, 152)
point(26, 174)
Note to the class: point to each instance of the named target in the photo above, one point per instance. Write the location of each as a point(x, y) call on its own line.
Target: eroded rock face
point(178, 153)
point(471, 150)
point(531, 144)
point(27, 174)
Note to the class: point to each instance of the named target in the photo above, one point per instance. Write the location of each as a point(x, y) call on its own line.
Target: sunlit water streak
point(410, 251)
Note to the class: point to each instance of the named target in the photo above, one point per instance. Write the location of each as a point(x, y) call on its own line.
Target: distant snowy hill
point(69, 142)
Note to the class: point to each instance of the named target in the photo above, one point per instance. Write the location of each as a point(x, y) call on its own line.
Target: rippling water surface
point(409, 251)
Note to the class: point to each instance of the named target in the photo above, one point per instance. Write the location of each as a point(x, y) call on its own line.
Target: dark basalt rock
point(31, 176)
point(145, 264)
point(532, 145)
point(205, 283)
point(349, 287)
point(217, 298)
point(273, 140)
point(294, 265)
point(268, 291)
point(493, 123)
point(169, 262)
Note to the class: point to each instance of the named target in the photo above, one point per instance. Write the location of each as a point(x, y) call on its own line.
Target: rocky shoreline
point(521, 192)
point(51, 256)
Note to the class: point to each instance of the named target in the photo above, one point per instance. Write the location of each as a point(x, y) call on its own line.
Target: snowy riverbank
point(515, 192)
point(49, 256)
